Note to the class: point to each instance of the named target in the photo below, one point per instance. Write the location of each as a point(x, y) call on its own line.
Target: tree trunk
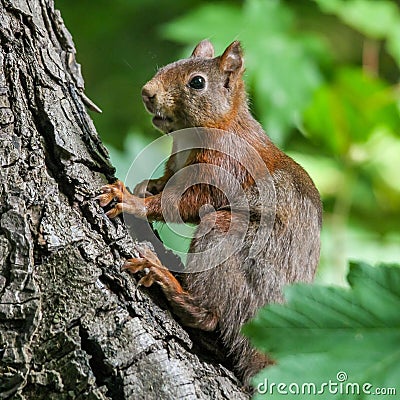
point(72, 326)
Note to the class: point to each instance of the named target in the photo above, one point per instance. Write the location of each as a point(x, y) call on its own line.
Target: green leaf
point(323, 331)
point(393, 43)
point(376, 19)
point(277, 87)
point(349, 109)
point(223, 20)
point(371, 17)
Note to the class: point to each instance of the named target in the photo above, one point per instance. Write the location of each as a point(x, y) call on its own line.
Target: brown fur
point(227, 296)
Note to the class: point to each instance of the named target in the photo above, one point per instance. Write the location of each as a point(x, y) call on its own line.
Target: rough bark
point(72, 326)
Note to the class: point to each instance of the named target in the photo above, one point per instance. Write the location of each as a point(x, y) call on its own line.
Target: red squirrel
point(208, 92)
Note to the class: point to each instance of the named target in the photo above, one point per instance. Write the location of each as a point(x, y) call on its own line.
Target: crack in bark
point(103, 373)
point(118, 289)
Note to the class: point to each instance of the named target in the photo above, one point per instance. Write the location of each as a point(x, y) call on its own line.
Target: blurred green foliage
point(323, 78)
point(375, 19)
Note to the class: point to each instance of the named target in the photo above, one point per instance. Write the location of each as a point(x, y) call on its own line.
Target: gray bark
point(72, 326)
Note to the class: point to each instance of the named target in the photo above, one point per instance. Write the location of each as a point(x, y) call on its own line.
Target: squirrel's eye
point(197, 82)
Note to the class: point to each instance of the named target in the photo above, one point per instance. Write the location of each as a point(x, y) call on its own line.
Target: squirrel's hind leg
point(183, 305)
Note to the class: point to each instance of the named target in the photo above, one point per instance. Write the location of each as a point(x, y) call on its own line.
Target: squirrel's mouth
point(162, 121)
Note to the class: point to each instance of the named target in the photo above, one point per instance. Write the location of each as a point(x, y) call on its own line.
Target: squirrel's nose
point(148, 97)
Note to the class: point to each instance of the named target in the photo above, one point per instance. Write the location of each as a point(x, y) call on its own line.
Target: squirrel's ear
point(232, 59)
point(204, 49)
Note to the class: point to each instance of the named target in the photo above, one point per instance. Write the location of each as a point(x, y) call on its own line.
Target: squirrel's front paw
point(110, 192)
point(126, 202)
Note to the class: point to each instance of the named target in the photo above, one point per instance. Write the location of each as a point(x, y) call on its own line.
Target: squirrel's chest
point(179, 160)
point(181, 151)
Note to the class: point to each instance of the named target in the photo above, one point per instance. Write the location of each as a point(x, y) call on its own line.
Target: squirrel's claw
point(115, 211)
point(111, 192)
point(134, 265)
point(148, 279)
point(104, 199)
point(126, 202)
point(149, 255)
point(147, 260)
point(114, 190)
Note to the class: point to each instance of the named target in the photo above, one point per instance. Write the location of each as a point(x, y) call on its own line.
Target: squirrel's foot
point(189, 312)
point(147, 260)
point(156, 272)
point(135, 265)
point(126, 202)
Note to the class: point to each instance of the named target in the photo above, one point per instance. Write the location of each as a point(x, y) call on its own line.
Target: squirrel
point(208, 92)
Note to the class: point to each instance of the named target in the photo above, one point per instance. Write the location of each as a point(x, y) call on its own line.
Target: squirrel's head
point(200, 91)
